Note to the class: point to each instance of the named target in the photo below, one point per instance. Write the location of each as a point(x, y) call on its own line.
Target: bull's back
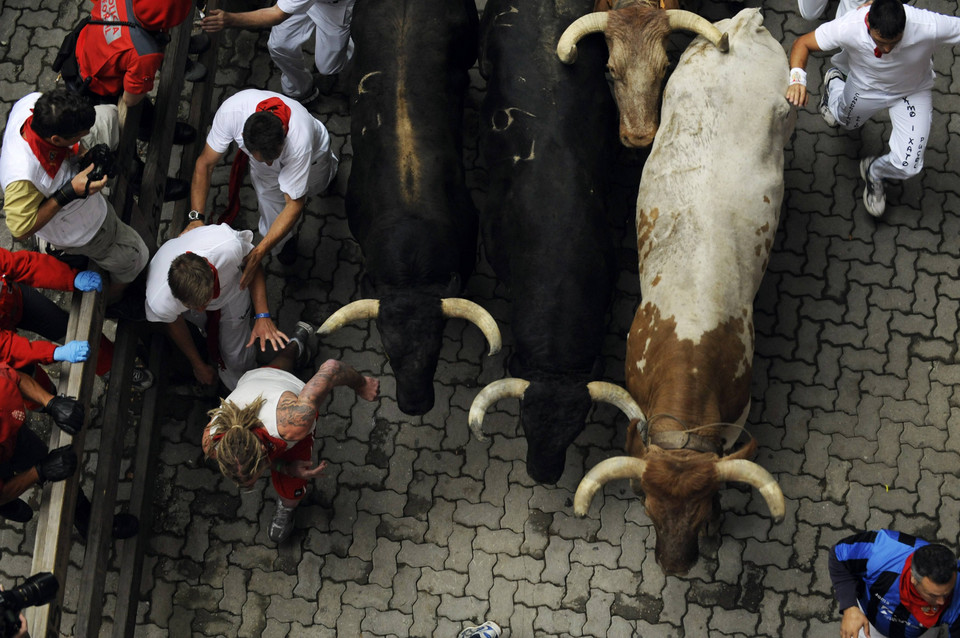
point(409, 79)
point(710, 194)
point(547, 138)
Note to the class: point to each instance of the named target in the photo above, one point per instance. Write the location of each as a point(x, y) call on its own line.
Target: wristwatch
point(196, 215)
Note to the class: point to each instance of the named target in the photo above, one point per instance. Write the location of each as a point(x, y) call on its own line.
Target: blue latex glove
point(74, 352)
point(88, 280)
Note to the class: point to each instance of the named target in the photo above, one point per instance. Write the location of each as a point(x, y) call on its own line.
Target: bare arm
point(264, 328)
point(132, 99)
point(282, 225)
point(200, 186)
point(799, 54)
point(217, 20)
point(180, 335)
point(296, 416)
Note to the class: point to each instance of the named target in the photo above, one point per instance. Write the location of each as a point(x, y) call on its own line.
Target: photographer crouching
point(47, 192)
point(25, 460)
point(39, 589)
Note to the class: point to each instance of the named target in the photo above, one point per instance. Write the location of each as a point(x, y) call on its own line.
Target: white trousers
point(910, 117)
point(270, 199)
point(332, 49)
point(813, 9)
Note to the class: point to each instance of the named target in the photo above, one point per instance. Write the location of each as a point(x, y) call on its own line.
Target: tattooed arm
point(296, 415)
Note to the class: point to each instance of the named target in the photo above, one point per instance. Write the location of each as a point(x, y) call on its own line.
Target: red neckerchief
point(50, 155)
point(925, 613)
point(279, 108)
point(876, 50)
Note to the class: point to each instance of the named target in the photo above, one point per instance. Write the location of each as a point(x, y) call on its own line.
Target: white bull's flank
point(707, 212)
point(709, 199)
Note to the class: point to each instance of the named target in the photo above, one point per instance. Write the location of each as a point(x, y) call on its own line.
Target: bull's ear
point(454, 286)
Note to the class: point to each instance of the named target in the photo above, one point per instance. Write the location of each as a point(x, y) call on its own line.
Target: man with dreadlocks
point(269, 420)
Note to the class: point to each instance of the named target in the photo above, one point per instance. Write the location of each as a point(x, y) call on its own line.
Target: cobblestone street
point(418, 529)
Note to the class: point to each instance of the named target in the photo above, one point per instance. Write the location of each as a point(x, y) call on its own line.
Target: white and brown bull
point(707, 213)
point(636, 31)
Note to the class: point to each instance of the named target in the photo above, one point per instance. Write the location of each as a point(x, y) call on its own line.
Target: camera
point(103, 160)
point(39, 589)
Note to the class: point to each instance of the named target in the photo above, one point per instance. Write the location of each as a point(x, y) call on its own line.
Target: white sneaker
point(488, 629)
point(874, 197)
point(833, 74)
point(282, 523)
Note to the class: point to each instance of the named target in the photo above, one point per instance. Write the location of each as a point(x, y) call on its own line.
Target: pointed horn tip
point(494, 349)
point(724, 43)
point(567, 56)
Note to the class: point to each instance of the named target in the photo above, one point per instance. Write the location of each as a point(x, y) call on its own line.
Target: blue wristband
point(262, 315)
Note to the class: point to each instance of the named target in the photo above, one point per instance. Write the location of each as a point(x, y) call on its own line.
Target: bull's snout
point(641, 139)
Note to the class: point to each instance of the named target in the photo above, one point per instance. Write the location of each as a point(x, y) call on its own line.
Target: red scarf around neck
point(279, 108)
point(925, 613)
point(50, 155)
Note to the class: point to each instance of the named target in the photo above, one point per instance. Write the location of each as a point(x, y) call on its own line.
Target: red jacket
point(118, 58)
point(39, 271)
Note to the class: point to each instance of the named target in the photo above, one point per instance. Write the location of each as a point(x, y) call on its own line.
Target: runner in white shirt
point(294, 23)
point(295, 162)
point(890, 51)
point(217, 281)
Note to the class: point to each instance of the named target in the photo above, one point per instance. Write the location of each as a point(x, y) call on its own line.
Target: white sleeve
point(948, 29)
point(224, 129)
point(292, 7)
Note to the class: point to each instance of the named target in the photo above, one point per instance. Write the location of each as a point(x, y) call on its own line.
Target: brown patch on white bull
point(702, 382)
point(645, 224)
point(766, 200)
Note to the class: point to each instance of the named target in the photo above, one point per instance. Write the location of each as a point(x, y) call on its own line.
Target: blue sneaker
point(488, 629)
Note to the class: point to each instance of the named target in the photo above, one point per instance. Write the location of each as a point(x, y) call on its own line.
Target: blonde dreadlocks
point(240, 454)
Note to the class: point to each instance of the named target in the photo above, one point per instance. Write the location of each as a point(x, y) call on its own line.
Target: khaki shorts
point(117, 248)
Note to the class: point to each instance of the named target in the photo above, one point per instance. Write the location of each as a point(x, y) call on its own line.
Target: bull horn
point(584, 25)
point(689, 21)
point(488, 396)
point(474, 313)
point(618, 467)
point(613, 394)
point(752, 474)
point(354, 311)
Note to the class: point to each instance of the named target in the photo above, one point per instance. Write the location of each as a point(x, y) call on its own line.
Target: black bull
point(407, 202)
point(548, 133)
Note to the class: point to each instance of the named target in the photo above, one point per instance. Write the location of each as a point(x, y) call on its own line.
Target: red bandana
point(876, 50)
point(50, 155)
point(925, 613)
point(279, 108)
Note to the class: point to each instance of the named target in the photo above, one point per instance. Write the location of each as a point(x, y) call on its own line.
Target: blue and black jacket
point(865, 568)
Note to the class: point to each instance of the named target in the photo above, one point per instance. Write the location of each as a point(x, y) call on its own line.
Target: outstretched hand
point(370, 388)
point(797, 94)
point(302, 469)
point(266, 331)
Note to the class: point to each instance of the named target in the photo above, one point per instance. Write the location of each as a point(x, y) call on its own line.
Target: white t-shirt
point(269, 383)
point(332, 10)
point(307, 139)
point(222, 246)
point(76, 223)
point(905, 70)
